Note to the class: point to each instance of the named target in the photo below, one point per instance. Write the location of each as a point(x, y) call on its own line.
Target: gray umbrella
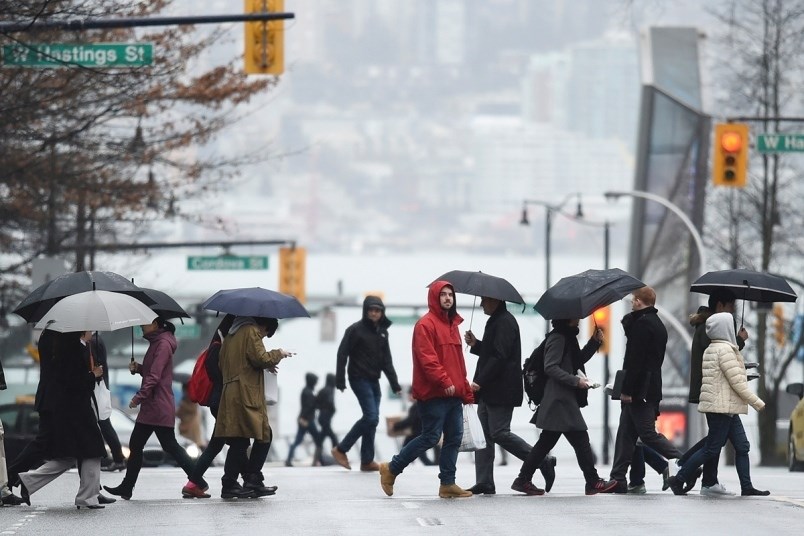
point(745, 285)
point(579, 295)
point(480, 284)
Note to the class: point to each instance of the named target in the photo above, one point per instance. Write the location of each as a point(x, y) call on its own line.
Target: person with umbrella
point(646, 340)
point(365, 348)
point(441, 387)
point(157, 414)
point(560, 410)
point(724, 396)
point(497, 385)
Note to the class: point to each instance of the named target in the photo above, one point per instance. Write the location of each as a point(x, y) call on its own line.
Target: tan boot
point(341, 458)
point(387, 479)
point(452, 491)
point(369, 467)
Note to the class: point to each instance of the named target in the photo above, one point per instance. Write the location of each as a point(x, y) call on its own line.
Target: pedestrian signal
point(292, 268)
point(778, 325)
point(265, 40)
point(601, 319)
point(730, 157)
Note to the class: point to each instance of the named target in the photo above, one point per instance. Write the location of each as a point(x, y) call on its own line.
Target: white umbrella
point(96, 310)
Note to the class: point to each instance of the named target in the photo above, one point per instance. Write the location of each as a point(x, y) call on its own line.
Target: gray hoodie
point(720, 327)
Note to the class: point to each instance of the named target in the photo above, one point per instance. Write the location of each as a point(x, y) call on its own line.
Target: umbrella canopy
point(255, 301)
point(480, 284)
point(745, 285)
point(579, 295)
point(164, 305)
point(41, 299)
point(96, 310)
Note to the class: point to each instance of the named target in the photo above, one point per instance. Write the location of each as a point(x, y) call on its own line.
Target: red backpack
point(199, 388)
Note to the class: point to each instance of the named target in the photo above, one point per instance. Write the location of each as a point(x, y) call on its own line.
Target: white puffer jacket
point(725, 386)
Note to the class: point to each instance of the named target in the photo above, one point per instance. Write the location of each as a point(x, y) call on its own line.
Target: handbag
point(271, 388)
point(102, 399)
point(473, 436)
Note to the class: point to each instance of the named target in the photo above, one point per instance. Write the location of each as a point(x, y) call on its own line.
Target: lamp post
point(696, 236)
point(548, 228)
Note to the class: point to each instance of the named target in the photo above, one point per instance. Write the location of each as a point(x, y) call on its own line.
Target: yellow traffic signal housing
point(778, 325)
point(730, 156)
point(292, 269)
point(265, 40)
point(602, 319)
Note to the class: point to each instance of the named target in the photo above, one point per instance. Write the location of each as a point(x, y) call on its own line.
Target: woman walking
point(157, 414)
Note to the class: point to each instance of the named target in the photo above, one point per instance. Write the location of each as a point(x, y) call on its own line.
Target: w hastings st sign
point(94, 55)
point(780, 143)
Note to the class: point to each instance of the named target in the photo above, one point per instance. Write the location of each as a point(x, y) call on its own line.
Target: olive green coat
point(242, 411)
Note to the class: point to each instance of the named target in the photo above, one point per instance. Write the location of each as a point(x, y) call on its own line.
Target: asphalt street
point(333, 501)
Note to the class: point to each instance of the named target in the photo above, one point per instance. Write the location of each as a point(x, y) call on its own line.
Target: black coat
point(75, 432)
point(325, 399)
point(44, 401)
point(499, 367)
point(646, 340)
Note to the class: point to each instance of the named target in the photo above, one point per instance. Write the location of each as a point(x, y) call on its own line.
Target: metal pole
point(548, 227)
point(136, 22)
point(606, 430)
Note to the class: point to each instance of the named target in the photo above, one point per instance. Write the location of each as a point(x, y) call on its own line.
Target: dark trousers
point(167, 439)
point(34, 452)
point(325, 422)
point(496, 423)
point(214, 447)
point(239, 462)
point(368, 395)
point(643, 455)
point(423, 456)
point(579, 439)
point(110, 436)
point(309, 428)
point(638, 421)
point(709, 477)
point(722, 428)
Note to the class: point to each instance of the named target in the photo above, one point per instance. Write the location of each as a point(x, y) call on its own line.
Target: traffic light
point(778, 325)
point(601, 319)
point(292, 267)
point(265, 40)
point(730, 157)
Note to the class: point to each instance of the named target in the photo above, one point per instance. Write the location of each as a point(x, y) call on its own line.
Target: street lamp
point(677, 211)
point(548, 228)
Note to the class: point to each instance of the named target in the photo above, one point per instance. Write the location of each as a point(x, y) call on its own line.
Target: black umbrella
point(39, 302)
point(255, 301)
point(480, 284)
point(745, 285)
point(579, 295)
point(164, 305)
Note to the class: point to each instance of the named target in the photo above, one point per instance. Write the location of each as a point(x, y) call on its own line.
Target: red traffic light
point(731, 142)
point(601, 316)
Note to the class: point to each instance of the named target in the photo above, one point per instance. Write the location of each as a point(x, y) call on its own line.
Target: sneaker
point(716, 489)
point(452, 491)
point(341, 458)
point(601, 486)
point(387, 479)
point(369, 467)
point(754, 492)
point(639, 489)
point(525, 486)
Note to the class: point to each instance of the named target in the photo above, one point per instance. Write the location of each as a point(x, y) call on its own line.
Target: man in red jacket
point(440, 387)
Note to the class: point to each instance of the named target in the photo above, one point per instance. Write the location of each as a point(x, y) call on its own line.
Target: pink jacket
point(157, 405)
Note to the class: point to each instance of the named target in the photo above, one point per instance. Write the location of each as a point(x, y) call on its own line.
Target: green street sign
point(780, 143)
point(228, 262)
point(187, 331)
point(94, 55)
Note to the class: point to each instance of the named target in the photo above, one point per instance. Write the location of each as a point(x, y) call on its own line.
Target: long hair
point(164, 324)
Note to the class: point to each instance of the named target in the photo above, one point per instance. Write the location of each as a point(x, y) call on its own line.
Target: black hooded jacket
point(325, 399)
point(499, 367)
point(308, 398)
point(646, 340)
point(365, 347)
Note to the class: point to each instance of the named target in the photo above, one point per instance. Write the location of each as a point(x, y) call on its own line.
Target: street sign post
point(93, 55)
point(780, 143)
point(228, 262)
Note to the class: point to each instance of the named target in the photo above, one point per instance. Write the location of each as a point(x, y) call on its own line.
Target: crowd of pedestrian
point(71, 430)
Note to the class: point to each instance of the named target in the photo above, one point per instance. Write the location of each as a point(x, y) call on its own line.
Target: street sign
point(228, 262)
point(94, 55)
point(187, 331)
point(780, 143)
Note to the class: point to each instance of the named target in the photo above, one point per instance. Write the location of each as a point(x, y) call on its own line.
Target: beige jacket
point(724, 388)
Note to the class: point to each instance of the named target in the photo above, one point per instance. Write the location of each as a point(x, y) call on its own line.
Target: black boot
point(233, 490)
point(548, 469)
point(254, 482)
point(123, 490)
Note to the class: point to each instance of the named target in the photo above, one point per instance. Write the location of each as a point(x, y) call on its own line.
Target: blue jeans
point(643, 455)
point(368, 396)
point(722, 428)
point(439, 415)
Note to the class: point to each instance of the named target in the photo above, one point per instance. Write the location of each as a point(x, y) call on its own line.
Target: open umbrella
point(96, 310)
point(745, 285)
point(164, 305)
point(255, 301)
point(579, 295)
point(480, 284)
point(43, 297)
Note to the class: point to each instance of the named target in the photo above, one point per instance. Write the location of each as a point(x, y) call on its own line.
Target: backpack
point(199, 388)
point(533, 376)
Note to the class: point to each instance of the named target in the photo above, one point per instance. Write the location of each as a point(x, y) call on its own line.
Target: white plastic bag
point(271, 388)
point(102, 399)
point(473, 437)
